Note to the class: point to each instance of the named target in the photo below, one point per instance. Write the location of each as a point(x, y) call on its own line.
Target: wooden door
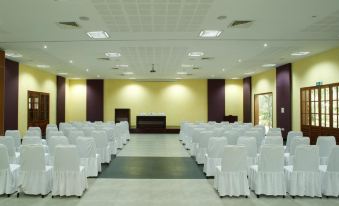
point(38, 110)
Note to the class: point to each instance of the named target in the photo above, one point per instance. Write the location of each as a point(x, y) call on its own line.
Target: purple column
point(247, 99)
point(95, 100)
point(216, 99)
point(60, 99)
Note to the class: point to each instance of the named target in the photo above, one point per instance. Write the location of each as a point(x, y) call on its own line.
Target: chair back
point(4, 158)
point(196, 134)
point(250, 143)
point(216, 146)
point(234, 159)
point(333, 160)
point(275, 140)
point(204, 138)
point(290, 136)
point(32, 158)
point(271, 158)
point(100, 138)
point(31, 140)
point(54, 133)
point(306, 158)
point(232, 137)
point(273, 133)
point(73, 135)
point(86, 147)
point(55, 141)
point(258, 134)
point(16, 135)
point(325, 144)
point(9, 142)
point(66, 158)
point(296, 141)
point(88, 131)
point(33, 133)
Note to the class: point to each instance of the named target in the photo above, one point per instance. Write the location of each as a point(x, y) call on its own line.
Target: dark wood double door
point(38, 110)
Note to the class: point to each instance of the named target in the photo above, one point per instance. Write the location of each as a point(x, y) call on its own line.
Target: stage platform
point(167, 130)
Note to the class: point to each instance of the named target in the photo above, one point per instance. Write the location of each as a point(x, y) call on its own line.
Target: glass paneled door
point(38, 110)
point(263, 110)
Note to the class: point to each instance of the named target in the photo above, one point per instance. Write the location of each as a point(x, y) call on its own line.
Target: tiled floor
point(141, 191)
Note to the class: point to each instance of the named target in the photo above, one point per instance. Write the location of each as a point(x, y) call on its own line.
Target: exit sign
point(319, 83)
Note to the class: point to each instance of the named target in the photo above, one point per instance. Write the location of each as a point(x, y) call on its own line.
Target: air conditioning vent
point(115, 68)
point(104, 58)
point(68, 25)
point(195, 68)
point(241, 24)
point(207, 58)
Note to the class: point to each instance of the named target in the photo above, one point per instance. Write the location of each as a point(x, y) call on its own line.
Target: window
point(263, 110)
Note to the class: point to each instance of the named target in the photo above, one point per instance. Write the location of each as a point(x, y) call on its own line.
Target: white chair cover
point(69, 178)
point(88, 131)
point(231, 176)
point(295, 142)
point(88, 156)
point(325, 144)
point(54, 133)
point(275, 140)
point(111, 140)
point(330, 174)
point(35, 130)
point(73, 135)
point(35, 177)
point(202, 147)
point(52, 143)
point(194, 143)
point(273, 133)
point(102, 146)
point(303, 178)
point(232, 137)
point(9, 142)
point(9, 173)
point(251, 149)
point(258, 134)
point(16, 135)
point(268, 176)
point(290, 136)
point(214, 153)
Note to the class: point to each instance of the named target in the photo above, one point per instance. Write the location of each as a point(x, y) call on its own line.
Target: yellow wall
point(180, 100)
point(75, 100)
point(32, 79)
point(263, 83)
point(322, 67)
point(234, 98)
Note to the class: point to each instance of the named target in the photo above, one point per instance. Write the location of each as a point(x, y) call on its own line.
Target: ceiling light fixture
point(268, 65)
point(112, 54)
point(234, 78)
point(210, 33)
point(87, 70)
point(301, 53)
point(223, 70)
point(98, 34)
point(122, 65)
point(239, 60)
point(212, 75)
point(132, 78)
point(62, 73)
point(13, 55)
point(44, 66)
point(265, 45)
point(186, 65)
point(178, 78)
point(45, 46)
point(98, 76)
point(196, 54)
point(182, 73)
point(75, 78)
point(71, 61)
point(249, 73)
point(128, 73)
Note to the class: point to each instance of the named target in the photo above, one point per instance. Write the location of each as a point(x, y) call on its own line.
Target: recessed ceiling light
point(45, 46)
point(301, 53)
point(210, 33)
point(44, 66)
point(196, 54)
point(212, 75)
point(98, 34)
point(87, 70)
point(221, 17)
point(234, 78)
point(239, 60)
point(98, 76)
point(268, 65)
point(223, 70)
point(128, 73)
point(132, 78)
point(249, 73)
point(13, 55)
point(75, 78)
point(186, 65)
point(178, 78)
point(62, 73)
point(122, 65)
point(265, 45)
point(112, 54)
point(71, 61)
point(182, 73)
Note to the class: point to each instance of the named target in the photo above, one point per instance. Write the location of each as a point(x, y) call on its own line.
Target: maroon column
point(216, 99)
point(284, 98)
point(2, 91)
point(95, 100)
point(61, 88)
point(247, 98)
point(11, 95)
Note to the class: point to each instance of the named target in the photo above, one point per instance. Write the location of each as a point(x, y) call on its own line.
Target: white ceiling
point(163, 32)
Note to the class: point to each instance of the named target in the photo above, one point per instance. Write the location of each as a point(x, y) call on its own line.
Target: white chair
point(69, 178)
point(330, 174)
point(52, 143)
point(303, 178)
point(88, 156)
point(9, 142)
point(251, 149)
point(54, 133)
point(194, 143)
point(258, 134)
point(273, 133)
point(73, 135)
point(88, 131)
point(290, 136)
point(325, 144)
point(202, 147)
point(111, 140)
point(275, 140)
point(35, 130)
point(214, 154)
point(49, 130)
point(274, 129)
point(16, 135)
point(268, 176)
point(35, 177)
point(9, 173)
point(295, 142)
point(232, 137)
point(231, 176)
point(102, 146)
